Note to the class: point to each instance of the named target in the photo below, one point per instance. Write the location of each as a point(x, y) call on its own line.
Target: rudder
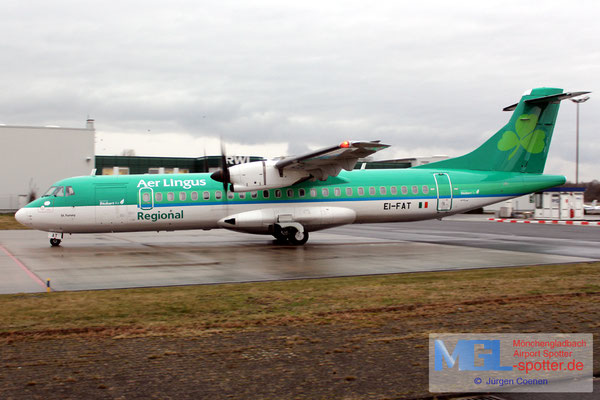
point(522, 144)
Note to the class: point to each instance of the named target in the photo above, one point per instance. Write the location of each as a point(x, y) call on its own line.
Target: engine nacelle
point(258, 175)
point(311, 218)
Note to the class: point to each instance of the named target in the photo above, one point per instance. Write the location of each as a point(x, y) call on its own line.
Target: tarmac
point(126, 260)
point(150, 259)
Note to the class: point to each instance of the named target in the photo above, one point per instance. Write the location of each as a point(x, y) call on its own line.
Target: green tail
point(521, 145)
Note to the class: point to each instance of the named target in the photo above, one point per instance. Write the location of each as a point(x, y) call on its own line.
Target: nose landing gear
point(55, 238)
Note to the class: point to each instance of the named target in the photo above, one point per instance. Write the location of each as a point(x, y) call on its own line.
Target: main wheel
point(54, 242)
point(296, 237)
point(279, 235)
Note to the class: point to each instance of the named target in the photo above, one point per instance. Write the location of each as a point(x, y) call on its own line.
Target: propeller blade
point(222, 174)
point(225, 170)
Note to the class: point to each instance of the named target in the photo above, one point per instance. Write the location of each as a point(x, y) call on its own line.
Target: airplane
point(293, 196)
point(593, 208)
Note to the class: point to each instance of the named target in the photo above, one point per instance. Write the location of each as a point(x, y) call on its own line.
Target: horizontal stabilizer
point(547, 99)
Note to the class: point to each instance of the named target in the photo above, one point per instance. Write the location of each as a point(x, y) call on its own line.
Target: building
point(32, 158)
point(564, 203)
point(125, 165)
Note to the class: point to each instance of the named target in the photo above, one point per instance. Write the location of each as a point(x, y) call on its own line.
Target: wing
point(329, 161)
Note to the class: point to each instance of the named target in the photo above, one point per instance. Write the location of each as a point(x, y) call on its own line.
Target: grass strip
point(363, 298)
point(8, 221)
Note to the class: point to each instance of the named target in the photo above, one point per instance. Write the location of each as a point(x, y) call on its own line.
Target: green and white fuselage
point(195, 201)
point(293, 196)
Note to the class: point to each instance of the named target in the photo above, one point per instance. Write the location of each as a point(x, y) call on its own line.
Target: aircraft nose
point(23, 216)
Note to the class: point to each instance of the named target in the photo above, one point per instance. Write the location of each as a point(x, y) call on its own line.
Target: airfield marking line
point(546, 222)
point(23, 267)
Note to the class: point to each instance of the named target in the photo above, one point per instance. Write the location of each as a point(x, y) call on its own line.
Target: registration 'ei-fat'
point(290, 197)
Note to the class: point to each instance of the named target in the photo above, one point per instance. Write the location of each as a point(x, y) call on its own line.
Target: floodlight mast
point(578, 101)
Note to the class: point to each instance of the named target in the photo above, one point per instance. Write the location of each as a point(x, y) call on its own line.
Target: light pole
point(578, 101)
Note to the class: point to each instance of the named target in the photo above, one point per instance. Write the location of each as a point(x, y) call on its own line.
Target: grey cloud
point(310, 73)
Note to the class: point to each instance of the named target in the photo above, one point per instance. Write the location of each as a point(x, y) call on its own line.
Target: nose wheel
point(55, 238)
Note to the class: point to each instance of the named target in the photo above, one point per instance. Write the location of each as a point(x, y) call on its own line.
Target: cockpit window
point(70, 191)
point(50, 191)
point(58, 191)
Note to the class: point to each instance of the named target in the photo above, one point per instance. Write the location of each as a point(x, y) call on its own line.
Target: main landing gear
point(292, 234)
point(55, 238)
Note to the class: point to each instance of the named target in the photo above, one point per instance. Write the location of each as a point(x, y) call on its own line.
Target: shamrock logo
point(532, 141)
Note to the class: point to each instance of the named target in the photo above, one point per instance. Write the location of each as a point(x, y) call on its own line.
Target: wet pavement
point(103, 261)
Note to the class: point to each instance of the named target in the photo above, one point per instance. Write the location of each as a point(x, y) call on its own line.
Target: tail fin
point(521, 145)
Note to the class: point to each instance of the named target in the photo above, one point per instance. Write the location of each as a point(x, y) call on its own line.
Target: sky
point(272, 78)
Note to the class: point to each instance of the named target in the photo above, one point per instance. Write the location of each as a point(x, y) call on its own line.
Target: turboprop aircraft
point(290, 197)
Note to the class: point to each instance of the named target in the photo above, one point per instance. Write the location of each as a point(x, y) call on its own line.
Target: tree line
point(592, 189)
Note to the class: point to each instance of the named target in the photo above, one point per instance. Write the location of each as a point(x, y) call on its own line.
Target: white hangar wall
point(32, 158)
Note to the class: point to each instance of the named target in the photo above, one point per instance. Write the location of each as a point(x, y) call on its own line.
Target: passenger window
point(254, 195)
point(194, 196)
point(348, 191)
point(425, 189)
point(415, 189)
point(361, 191)
point(278, 193)
point(394, 190)
point(182, 196)
point(60, 192)
point(404, 190)
point(158, 196)
point(290, 193)
point(266, 194)
point(206, 195)
point(372, 191)
point(146, 197)
point(70, 191)
point(325, 192)
point(313, 192)
point(230, 195)
point(337, 192)
point(302, 192)
point(382, 190)
point(218, 195)
point(170, 196)
point(242, 195)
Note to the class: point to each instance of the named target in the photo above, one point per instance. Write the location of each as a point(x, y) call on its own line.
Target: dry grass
point(8, 221)
point(362, 300)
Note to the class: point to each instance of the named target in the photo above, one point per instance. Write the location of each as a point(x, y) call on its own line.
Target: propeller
point(223, 175)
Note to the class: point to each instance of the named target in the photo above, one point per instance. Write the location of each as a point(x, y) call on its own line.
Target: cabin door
point(110, 204)
point(444, 192)
point(146, 198)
